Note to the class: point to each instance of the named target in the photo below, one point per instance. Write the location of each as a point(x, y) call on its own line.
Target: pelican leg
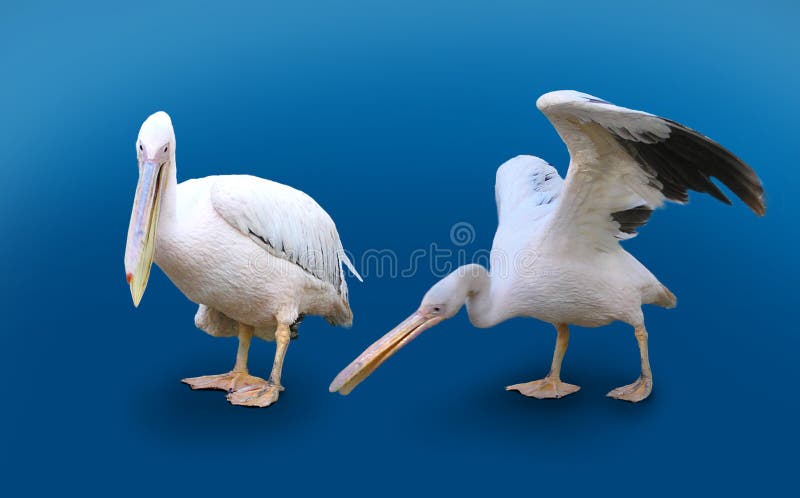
point(236, 378)
point(640, 389)
point(265, 395)
point(551, 386)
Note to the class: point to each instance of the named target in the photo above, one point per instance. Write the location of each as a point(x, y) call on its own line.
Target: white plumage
point(286, 222)
point(254, 254)
point(254, 249)
point(556, 254)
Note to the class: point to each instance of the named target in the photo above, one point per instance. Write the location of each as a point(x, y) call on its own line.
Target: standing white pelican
point(556, 254)
point(254, 254)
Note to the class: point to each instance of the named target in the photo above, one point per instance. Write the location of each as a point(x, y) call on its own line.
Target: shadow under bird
point(254, 254)
point(556, 255)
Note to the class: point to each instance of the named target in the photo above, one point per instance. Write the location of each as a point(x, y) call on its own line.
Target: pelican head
point(155, 150)
point(444, 300)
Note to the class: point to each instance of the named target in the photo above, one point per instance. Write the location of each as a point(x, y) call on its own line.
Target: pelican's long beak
point(142, 230)
point(381, 350)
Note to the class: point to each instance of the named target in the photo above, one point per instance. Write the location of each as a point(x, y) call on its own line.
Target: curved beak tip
point(129, 277)
point(380, 351)
point(337, 386)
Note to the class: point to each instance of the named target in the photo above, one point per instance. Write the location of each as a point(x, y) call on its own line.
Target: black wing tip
point(760, 207)
point(735, 174)
point(687, 160)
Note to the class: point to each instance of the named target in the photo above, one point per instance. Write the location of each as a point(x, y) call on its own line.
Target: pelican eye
point(140, 147)
point(166, 147)
point(437, 309)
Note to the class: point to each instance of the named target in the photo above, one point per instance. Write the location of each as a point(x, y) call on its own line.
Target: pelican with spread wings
point(556, 255)
point(256, 256)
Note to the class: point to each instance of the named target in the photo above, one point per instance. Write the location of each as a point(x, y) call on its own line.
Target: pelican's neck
point(169, 199)
point(480, 299)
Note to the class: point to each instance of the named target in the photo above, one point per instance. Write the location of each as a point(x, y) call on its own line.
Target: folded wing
point(286, 222)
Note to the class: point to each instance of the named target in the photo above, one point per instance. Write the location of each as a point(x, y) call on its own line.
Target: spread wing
point(286, 222)
point(625, 163)
point(526, 188)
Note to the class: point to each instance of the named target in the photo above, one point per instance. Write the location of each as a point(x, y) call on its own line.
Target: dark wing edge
point(687, 160)
point(632, 219)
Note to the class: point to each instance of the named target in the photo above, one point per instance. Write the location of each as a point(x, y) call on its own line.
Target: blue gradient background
point(394, 116)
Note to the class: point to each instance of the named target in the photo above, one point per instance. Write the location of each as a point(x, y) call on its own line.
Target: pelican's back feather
point(287, 223)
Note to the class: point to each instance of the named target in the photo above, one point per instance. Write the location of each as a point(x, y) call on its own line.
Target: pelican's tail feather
point(666, 299)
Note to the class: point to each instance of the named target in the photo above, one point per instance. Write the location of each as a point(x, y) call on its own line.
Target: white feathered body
point(581, 286)
point(535, 272)
point(556, 255)
point(233, 272)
